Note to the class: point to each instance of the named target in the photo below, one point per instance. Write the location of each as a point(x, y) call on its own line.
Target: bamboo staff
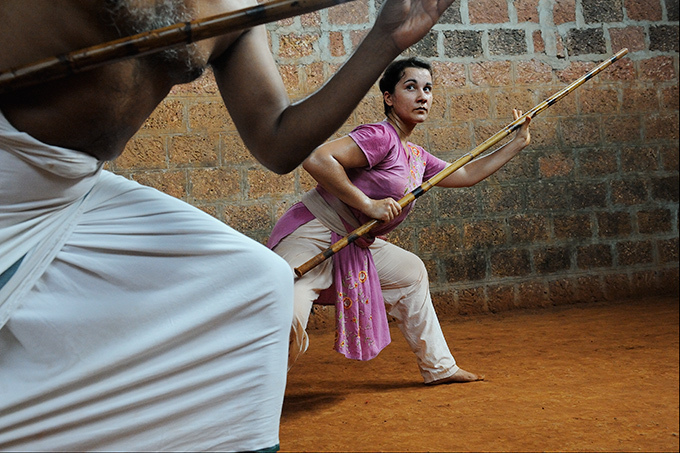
point(430, 183)
point(155, 41)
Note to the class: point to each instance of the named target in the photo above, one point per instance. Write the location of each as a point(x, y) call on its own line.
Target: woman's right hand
point(385, 209)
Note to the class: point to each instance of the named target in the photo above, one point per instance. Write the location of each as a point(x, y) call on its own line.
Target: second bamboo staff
point(460, 162)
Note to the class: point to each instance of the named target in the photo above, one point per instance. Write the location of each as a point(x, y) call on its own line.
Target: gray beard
point(131, 19)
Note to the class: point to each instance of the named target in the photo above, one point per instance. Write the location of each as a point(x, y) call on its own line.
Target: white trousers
point(156, 327)
point(405, 288)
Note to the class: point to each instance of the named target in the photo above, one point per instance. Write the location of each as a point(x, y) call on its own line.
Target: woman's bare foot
point(459, 376)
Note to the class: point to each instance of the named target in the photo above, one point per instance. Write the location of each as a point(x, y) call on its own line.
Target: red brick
point(453, 137)
point(598, 100)
point(369, 110)
point(622, 128)
point(572, 226)
point(539, 43)
point(470, 105)
point(634, 252)
point(643, 9)
point(533, 72)
point(471, 301)
point(544, 133)
point(486, 129)
point(636, 159)
point(497, 198)
point(404, 237)
point(668, 250)
point(211, 184)
point(564, 11)
point(248, 218)
point(562, 291)
point(208, 209)
point(669, 157)
point(643, 283)
point(483, 233)
point(657, 69)
point(527, 10)
point(640, 99)
point(532, 294)
point(555, 165)
point(501, 298)
point(445, 304)
point(349, 13)
point(506, 100)
point(597, 162)
point(337, 44)
point(209, 116)
point(297, 45)
point(616, 286)
point(589, 289)
point(580, 131)
point(314, 76)
point(447, 74)
point(662, 126)
point(142, 152)
point(510, 263)
point(233, 151)
point(654, 221)
point(669, 98)
point(528, 228)
point(193, 150)
point(632, 37)
point(168, 117)
point(488, 11)
point(262, 183)
point(622, 70)
point(629, 192)
point(491, 73)
point(433, 239)
point(312, 19)
point(291, 77)
point(574, 71)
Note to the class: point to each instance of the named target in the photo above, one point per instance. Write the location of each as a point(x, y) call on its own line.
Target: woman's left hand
point(523, 136)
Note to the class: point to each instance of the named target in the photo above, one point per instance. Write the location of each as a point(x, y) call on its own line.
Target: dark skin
point(98, 111)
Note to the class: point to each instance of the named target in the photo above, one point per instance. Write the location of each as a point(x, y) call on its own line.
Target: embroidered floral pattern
point(355, 330)
point(416, 167)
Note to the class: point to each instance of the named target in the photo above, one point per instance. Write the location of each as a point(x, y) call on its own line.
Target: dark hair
point(394, 73)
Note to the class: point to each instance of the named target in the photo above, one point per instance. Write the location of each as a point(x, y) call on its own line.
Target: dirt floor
point(596, 377)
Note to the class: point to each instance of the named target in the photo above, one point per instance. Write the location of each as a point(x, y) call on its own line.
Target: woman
point(360, 177)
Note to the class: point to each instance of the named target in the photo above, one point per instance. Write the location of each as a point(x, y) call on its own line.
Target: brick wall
point(588, 212)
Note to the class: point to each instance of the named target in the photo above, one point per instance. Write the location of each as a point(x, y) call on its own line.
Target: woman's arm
point(480, 169)
point(328, 165)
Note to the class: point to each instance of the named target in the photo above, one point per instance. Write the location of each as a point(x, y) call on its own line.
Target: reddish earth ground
point(596, 377)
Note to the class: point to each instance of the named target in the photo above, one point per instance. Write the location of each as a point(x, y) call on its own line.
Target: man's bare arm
point(281, 134)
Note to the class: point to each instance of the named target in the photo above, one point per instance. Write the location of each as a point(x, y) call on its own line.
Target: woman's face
point(412, 97)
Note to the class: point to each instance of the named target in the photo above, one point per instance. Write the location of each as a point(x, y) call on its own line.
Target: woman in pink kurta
point(360, 177)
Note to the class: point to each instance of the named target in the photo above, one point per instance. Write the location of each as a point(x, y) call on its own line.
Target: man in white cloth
point(130, 320)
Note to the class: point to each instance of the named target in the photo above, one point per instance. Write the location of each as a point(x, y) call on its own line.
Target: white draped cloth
point(134, 321)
